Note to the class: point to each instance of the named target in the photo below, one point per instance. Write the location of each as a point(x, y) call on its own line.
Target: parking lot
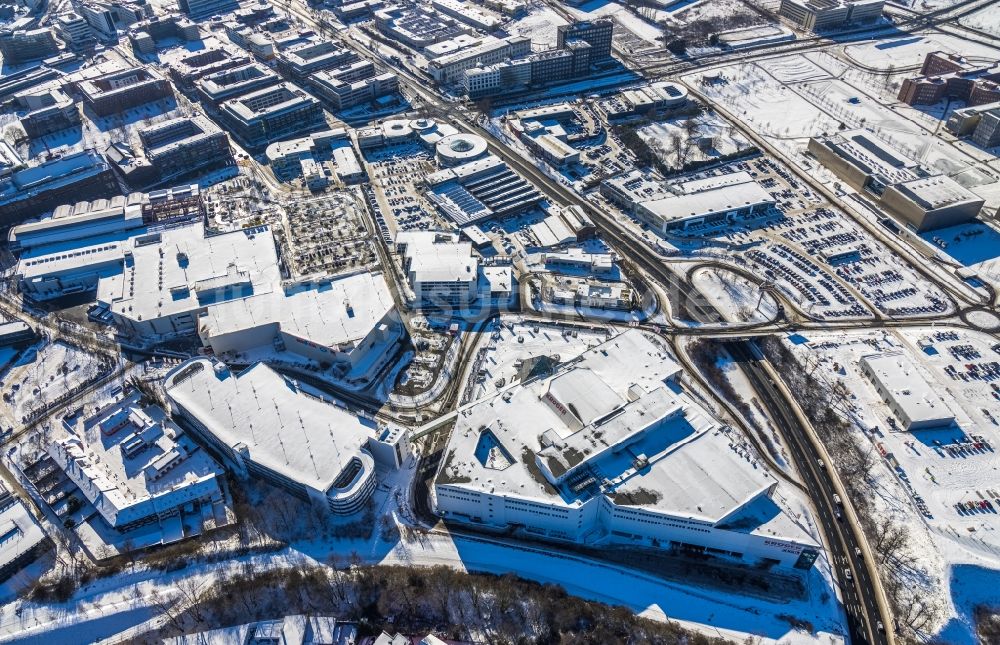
point(394, 172)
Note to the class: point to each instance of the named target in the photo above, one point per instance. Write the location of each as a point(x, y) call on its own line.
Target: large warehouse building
point(609, 450)
point(267, 425)
point(921, 200)
point(911, 398)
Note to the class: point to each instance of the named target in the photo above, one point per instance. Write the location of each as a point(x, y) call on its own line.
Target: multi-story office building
point(124, 89)
point(272, 114)
point(76, 32)
point(204, 8)
point(231, 83)
point(351, 85)
point(302, 61)
point(951, 76)
point(448, 69)
point(598, 33)
point(184, 145)
point(137, 467)
point(980, 121)
point(22, 45)
point(817, 15)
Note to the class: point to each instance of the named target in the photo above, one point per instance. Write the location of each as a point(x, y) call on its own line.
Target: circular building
point(459, 148)
point(396, 130)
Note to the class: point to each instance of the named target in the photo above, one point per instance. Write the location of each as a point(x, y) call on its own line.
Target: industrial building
point(269, 426)
point(22, 539)
point(137, 468)
point(819, 15)
point(354, 84)
point(945, 75)
point(123, 90)
point(930, 203)
point(47, 110)
point(228, 84)
point(609, 449)
point(24, 45)
point(480, 189)
point(923, 201)
point(545, 141)
point(16, 333)
point(904, 389)
point(34, 189)
point(271, 114)
point(184, 145)
point(695, 207)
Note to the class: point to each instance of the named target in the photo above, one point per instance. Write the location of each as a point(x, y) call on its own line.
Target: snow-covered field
point(539, 24)
point(923, 476)
point(987, 19)
point(42, 374)
point(909, 51)
point(599, 8)
point(673, 141)
point(735, 297)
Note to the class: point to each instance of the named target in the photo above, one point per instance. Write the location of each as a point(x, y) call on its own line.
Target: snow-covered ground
point(922, 475)
point(42, 374)
point(676, 144)
point(736, 298)
point(599, 8)
point(539, 24)
point(987, 19)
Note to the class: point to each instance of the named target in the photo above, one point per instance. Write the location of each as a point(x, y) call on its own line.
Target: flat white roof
point(709, 202)
point(19, 531)
point(330, 313)
point(287, 427)
point(597, 413)
point(937, 192)
point(899, 377)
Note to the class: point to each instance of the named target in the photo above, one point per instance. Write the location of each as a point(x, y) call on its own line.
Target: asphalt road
point(859, 595)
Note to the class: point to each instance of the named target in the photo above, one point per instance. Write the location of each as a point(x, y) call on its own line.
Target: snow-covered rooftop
point(899, 381)
point(287, 427)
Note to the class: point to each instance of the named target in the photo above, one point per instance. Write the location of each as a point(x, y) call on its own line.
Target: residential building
point(187, 67)
point(24, 45)
point(289, 630)
point(230, 83)
point(47, 111)
point(184, 145)
point(137, 467)
point(123, 90)
point(269, 426)
point(22, 539)
point(271, 114)
point(610, 450)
